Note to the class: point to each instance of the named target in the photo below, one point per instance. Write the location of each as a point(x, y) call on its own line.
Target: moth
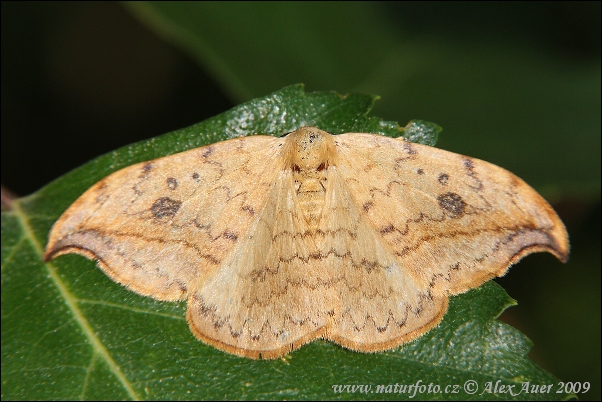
point(359, 239)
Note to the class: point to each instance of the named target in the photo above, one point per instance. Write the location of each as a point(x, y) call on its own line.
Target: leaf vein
point(71, 303)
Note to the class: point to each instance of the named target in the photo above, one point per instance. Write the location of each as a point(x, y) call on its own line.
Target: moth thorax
point(309, 152)
point(309, 149)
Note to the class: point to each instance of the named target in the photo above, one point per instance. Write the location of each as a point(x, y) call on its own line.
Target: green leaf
point(69, 332)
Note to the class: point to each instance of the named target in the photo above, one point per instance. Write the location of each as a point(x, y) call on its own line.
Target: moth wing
point(379, 306)
point(453, 222)
point(159, 226)
point(273, 293)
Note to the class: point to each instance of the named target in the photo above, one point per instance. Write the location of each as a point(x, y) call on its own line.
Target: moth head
point(309, 148)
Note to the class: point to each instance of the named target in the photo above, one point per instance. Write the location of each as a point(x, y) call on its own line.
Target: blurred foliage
point(516, 84)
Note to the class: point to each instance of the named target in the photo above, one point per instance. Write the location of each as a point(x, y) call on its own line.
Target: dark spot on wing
point(165, 206)
point(420, 171)
point(172, 183)
point(195, 176)
point(453, 204)
point(443, 178)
